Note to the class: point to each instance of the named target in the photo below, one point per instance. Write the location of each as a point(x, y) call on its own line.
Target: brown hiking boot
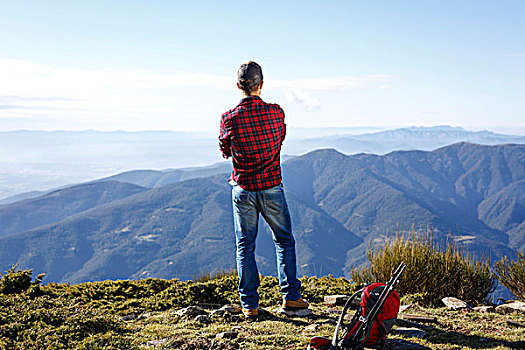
point(295, 304)
point(250, 313)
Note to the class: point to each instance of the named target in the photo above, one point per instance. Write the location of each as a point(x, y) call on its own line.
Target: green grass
point(433, 271)
point(511, 274)
point(89, 316)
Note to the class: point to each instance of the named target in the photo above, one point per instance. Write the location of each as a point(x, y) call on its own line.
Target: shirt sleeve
point(283, 133)
point(224, 140)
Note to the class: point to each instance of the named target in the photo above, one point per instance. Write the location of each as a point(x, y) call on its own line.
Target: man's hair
point(250, 77)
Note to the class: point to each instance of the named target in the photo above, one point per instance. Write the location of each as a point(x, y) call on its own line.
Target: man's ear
point(260, 86)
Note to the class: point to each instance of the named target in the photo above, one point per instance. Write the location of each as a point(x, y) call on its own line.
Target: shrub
point(207, 276)
point(432, 271)
point(13, 282)
point(511, 274)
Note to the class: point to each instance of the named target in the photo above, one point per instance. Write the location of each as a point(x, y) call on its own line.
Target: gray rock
point(202, 318)
point(410, 332)
point(191, 311)
point(335, 299)
point(232, 309)
point(144, 315)
point(405, 307)
point(218, 312)
point(455, 304)
point(484, 309)
point(515, 306)
point(158, 342)
point(128, 318)
point(310, 328)
point(294, 313)
point(227, 335)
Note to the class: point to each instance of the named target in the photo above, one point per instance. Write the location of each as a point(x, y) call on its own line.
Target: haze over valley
point(44, 160)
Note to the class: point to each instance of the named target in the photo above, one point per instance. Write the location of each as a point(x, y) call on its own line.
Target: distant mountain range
point(340, 205)
point(42, 160)
point(412, 138)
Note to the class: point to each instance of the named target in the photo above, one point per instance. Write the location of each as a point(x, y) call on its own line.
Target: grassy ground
point(142, 315)
point(454, 330)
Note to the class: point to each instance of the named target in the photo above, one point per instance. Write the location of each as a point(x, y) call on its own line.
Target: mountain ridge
point(340, 205)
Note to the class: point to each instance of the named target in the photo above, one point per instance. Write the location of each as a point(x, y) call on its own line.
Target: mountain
point(57, 205)
point(43, 160)
point(340, 206)
point(152, 178)
point(22, 196)
point(412, 138)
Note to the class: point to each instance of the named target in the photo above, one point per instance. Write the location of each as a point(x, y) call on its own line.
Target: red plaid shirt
point(252, 134)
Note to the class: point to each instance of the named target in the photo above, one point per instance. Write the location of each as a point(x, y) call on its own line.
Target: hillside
point(339, 205)
point(57, 205)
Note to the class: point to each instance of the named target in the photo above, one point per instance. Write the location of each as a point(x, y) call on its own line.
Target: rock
point(128, 317)
point(310, 328)
point(218, 312)
point(418, 318)
point(400, 344)
point(334, 311)
point(336, 299)
point(158, 342)
point(144, 315)
point(515, 306)
point(227, 335)
point(410, 332)
point(405, 307)
point(232, 309)
point(202, 318)
point(209, 306)
point(191, 311)
point(515, 323)
point(348, 317)
point(294, 313)
point(455, 304)
point(484, 309)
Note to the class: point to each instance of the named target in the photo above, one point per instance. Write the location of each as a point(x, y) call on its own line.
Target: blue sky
point(170, 65)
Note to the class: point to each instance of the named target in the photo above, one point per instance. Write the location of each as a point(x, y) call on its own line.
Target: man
point(252, 134)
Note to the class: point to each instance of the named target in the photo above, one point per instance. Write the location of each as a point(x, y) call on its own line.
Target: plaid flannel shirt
point(252, 134)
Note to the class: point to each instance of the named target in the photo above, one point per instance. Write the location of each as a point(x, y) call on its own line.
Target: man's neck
point(244, 95)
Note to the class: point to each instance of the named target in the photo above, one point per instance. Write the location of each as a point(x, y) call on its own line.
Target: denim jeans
point(271, 204)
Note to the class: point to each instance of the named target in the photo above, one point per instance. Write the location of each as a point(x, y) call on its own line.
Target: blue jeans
point(271, 204)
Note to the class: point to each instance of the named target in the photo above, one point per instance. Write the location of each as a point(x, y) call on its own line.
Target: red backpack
point(376, 333)
point(371, 323)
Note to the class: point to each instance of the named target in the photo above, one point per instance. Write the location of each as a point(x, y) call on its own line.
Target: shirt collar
point(250, 99)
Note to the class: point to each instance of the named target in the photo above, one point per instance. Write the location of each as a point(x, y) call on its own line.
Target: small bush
point(511, 274)
point(431, 271)
point(15, 281)
point(207, 276)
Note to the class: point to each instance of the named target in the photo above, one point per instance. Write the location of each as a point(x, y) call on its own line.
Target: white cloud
point(303, 91)
point(89, 98)
point(302, 98)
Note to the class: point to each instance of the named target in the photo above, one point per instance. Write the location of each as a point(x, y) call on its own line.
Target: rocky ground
point(439, 328)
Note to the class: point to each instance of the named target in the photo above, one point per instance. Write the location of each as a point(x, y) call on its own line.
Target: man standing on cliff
point(252, 134)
